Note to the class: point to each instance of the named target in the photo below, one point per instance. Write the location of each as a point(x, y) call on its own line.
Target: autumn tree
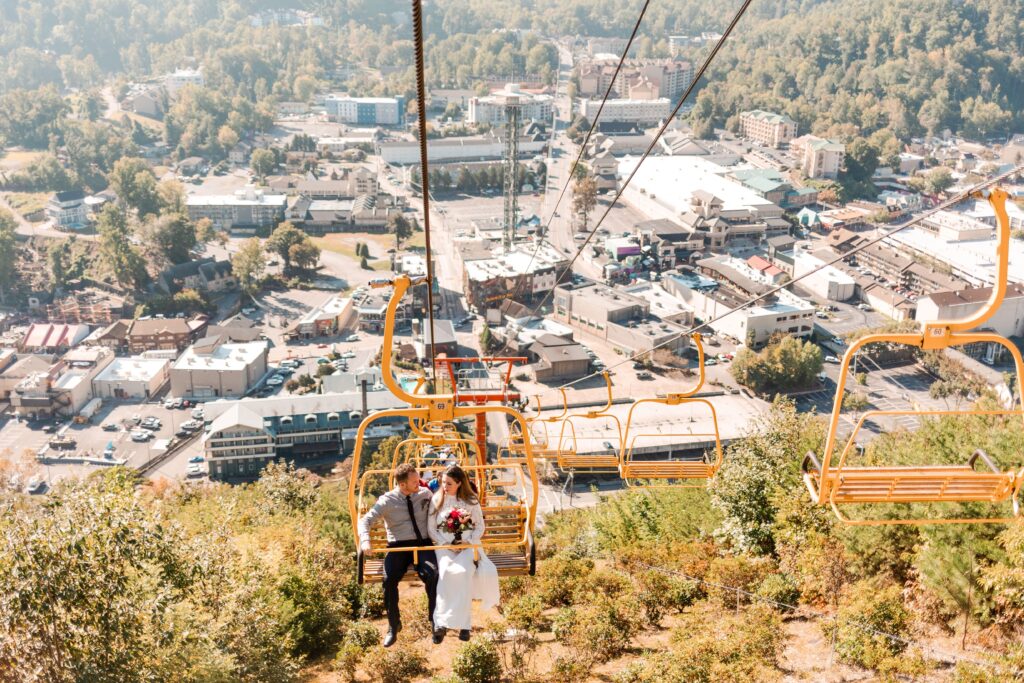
point(116, 250)
point(284, 237)
point(304, 255)
point(133, 181)
point(248, 265)
point(786, 363)
point(263, 163)
point(584, 198)
point(402, 228)
point(8, 254)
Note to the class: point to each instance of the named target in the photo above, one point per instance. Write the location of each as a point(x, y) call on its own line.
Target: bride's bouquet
point(456, 522)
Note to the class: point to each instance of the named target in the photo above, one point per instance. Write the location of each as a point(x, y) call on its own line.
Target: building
point(53, 337)
point(163, 334)
point(135, 377)
point(443, 332)
point(958, 304)
point(203, 275)
point(829, 282)
point(211, 368)
point(771, 185)
point(62, 389)
point(767, 128)
point(638, 79)
point(463, 149)
point(67, 209)
point(352, 183)
point(819, 158)
point(329, 318)
point(247, 208)
point(524, 272)
point(754, 325)
point(673, 243)
point(365, 111)
point(18, 366)
point(114, 336)
point(950, 226)
point(491, 108)
point(146, 101)
point(177, 80)
point(639, 112)
point(620, 318)
point(362, 214)
point(243, 436)
point(558, 359)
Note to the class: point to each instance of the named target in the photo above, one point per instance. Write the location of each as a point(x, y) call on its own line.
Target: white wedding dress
point(459, 580)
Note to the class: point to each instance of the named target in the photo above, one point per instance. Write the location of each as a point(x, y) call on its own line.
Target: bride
point(460, 579)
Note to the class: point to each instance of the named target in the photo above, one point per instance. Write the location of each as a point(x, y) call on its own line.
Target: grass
point(17, 160)
point(345, 245)
point(27, 202)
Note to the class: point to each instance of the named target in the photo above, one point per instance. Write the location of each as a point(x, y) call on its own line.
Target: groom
point(404, 510)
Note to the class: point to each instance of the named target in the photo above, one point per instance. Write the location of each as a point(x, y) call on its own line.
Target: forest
point(120, 579)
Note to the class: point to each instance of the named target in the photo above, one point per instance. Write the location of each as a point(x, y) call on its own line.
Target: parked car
point(111, 427)
point(821, 314)
point(141, 435)
point(169, 403)
point(197, 413)
point(35, 486)
point(322, 361)
point(348, 354)
point(644, 375)
point(275, 381)
point(831, 359)
point(182, 433)
point(710, 361)
point(197, 458)
point(194, 470)
point(285, 371)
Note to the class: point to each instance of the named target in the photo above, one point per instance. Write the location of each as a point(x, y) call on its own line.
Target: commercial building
point(135, 377)
point(210, 368)
point(829, 282)
point(365, 111)
point(246, 208)
point(63, 388)
point(362, 214)
point(637, 79)
point(67, 209)
point(491, 108)
point(1008, 321)
point(557, 359)
point(163, 334)
point(524, 272)
point(173, 82)
point(753, 325)
point(440, 336)
point(243, 436)
point(639, 112)
point(622, 319)
point(472, 148)
point(771, 185)
point(819, 158)
point(767, 128)
point(351, 183)
point(330, 317)
point(53, 337)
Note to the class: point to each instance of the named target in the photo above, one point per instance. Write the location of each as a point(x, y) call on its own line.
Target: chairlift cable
point(421, 122)
point(583, 147)
point(661, 131)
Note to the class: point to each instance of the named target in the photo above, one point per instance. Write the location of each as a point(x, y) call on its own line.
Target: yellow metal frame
point(641, 472)
point(512, 452)
point(570, 459)
point(840, 484)
point(546, 452)
point(428, 415)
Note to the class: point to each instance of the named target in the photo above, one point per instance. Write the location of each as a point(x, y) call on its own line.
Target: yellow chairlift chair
point(597, 454)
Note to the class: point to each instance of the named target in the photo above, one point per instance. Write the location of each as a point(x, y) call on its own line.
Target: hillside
point(110, 580)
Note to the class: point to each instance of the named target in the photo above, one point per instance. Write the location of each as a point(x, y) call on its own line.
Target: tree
point(856, 403)
point(304, 255)
point(205, 231)
point(263, 162)
point(8, 254)
point(248, 265)
point(284, 237)
point(172, 197)
point(938, 180)
point(786, 363)
point(133, 181)
point(116, 250)
point(364, 264)
point(227, 138)
point(584, 198)
point(401, 227)
point(172, 235)
point(453, 111)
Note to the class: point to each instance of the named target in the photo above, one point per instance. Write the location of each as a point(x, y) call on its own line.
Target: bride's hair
point(466, 491)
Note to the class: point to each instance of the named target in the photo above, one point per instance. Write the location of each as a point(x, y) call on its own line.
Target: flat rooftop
point(224, 357)
point(136, 369)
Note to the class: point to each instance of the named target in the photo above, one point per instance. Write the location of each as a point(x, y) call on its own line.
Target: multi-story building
point(54, 337)
point(203, 275)
point(823, 280)
point(491, 108)
point(621, 319)
point(767, 128)
point(243, 436)
point(639, 79)
point(333, 315)
point(246, 208)
point(770, 184)
point(353, 183)
point(67, 209)
point(365, 111)
point(163, 334)
point(62, 389)
point(639, 112)
point(1008, 320)
point(173, 82)
point(210, 369)
point(362, 214)
point(474, 148)
point(522, 273)
point(753, 325)
point(819, 158)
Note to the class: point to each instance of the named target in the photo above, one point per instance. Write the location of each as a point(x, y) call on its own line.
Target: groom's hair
point(402, 471)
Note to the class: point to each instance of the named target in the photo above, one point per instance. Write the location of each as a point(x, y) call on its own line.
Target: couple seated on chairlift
point(414, 517)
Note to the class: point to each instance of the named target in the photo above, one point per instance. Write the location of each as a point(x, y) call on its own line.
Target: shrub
point(738, 571)
point(563, 577)
point(346, 662)
point(602, 629)
point(781, 589)
point(363, 635)
point(399, 665)
point(869, 610)
point(525, 613)
point(477, 662)
point(573, 669)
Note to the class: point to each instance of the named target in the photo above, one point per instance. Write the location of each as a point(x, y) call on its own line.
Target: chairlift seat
point(667, 469)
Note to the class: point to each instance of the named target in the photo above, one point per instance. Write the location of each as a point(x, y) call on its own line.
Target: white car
point(194, 470)
point(349, 354)
point(275, 381)
point(831, 359)
point(140, 435)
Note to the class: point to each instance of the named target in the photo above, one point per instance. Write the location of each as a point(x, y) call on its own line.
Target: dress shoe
point(392, 636)
point(439, 634)
point(464, 634)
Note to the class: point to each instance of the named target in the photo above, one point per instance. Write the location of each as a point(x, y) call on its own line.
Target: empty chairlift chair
point(683, 422)
point(595, 446)
point(978, 480)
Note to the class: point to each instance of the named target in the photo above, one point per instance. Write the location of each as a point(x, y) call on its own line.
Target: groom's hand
point(365, 546)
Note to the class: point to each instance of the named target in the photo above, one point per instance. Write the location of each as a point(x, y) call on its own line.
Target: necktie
point(412, 518)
